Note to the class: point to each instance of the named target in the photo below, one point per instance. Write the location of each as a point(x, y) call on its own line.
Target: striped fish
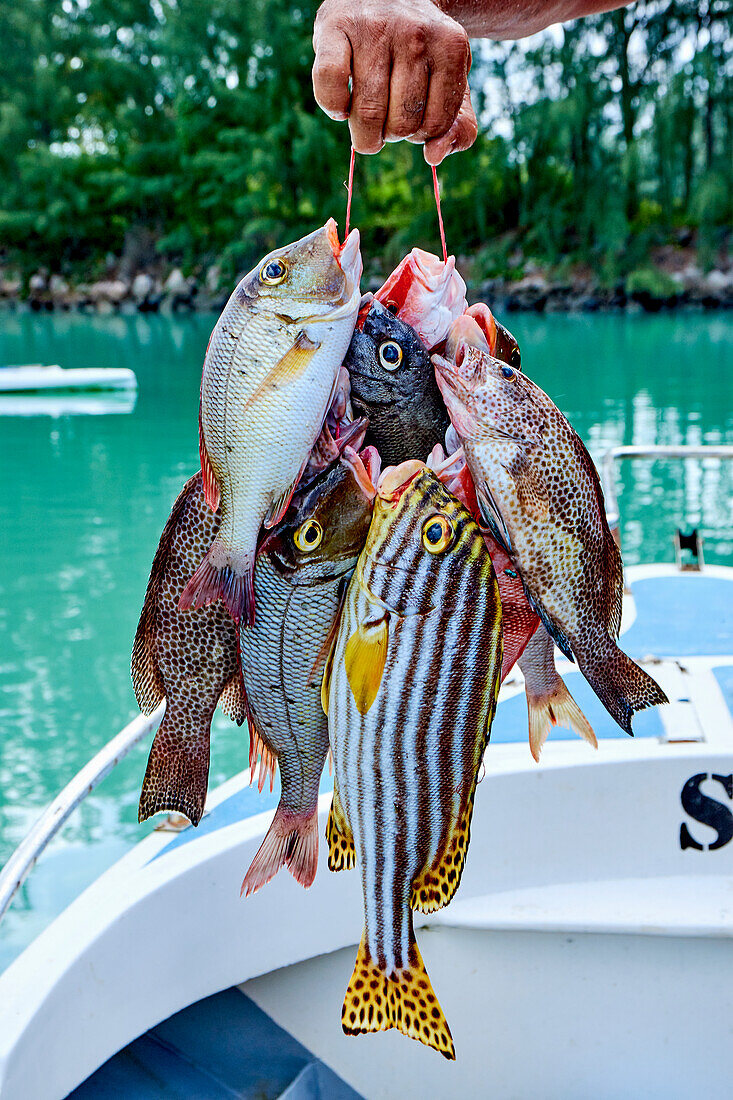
point(411, 693)
point(301, 574)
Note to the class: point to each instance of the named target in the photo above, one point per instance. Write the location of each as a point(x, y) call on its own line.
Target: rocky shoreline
point(151, 292)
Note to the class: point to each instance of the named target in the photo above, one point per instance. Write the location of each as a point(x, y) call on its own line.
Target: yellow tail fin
point(375, 1002)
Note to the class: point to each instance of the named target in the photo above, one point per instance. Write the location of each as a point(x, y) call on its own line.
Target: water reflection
point(84, 500)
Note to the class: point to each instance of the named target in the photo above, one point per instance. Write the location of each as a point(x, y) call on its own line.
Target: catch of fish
point(388, 517)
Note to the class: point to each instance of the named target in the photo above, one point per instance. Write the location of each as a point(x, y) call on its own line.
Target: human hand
point(408, 64)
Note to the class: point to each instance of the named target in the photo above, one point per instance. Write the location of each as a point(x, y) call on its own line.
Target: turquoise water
point(84, 499)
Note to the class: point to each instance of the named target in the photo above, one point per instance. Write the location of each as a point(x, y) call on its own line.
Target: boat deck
point(220, 1048)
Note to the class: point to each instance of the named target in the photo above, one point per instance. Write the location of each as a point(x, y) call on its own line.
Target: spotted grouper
point(539, 492)
point(187, 658)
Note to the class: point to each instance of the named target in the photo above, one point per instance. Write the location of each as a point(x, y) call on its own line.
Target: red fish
point(426, 294)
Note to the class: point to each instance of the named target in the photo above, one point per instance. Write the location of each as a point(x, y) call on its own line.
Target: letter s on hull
point(708, 811)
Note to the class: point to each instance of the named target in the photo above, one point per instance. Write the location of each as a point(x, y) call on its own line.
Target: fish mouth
point(395, 479)
point(349, 261)
point(486, 323)
point(352, 435)
point(365, 468)
point(446, 374)
point(348, 258)
point(467, 330)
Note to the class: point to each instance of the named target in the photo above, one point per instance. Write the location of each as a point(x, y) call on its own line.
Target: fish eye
point(515, 358)
point(308, 536)
point(273, 272)
point(437, 534)
point(507, 371)
point(390, 354)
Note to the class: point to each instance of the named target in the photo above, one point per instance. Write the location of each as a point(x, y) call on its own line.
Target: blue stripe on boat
point(244, 803)
point(220, 1048)
point(681, 616)
point(724, 676)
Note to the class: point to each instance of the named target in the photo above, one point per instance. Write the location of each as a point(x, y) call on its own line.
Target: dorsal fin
point(211, 485)
point(341, 851)
point(612, 565)
point(435, 885)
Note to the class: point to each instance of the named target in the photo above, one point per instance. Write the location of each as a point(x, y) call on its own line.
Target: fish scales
point(539, 490)
point(299, 585)
point(188, 658)
point(405, 770)
point(393, 384)
point(270, 369)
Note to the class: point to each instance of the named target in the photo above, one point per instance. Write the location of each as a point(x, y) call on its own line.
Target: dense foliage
point(187, 129)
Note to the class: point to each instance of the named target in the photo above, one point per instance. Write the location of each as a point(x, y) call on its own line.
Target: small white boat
point(588, 951)
point(55, 404)
point(37, 378)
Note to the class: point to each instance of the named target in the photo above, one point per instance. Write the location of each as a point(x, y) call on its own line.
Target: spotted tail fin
point(292, 841)
point(406, 1001)
point(177, 774)
point(619, 683)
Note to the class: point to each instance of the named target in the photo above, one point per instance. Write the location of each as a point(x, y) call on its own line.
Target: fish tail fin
point(556, 708)
point(177, 774)
point(291, 840)
point(375, 1001)
point(234, 586)
point(619, 683)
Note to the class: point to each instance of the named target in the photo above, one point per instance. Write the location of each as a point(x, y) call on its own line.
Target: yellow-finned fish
point(270, 371)
point(411, 692)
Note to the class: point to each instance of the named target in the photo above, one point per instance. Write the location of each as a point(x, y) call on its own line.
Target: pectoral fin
point(287, 369)
point(364, 657)
point(279, 507)
point(492, 517)
point(211, 485)
point(532, 492)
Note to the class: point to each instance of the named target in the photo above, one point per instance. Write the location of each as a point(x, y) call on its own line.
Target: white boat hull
point(587, 950)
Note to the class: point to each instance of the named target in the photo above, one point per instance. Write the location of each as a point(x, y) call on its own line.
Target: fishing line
point(349, 188)
point(436, 190)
